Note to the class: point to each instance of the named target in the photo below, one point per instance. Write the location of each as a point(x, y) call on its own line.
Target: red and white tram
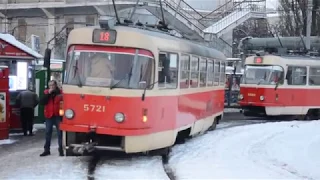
point(135, 90)
point(281, 86)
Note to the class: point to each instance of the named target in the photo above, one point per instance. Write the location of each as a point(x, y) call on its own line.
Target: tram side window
point(168, 70)
point(203, 72)
point(297, 75)
point(185, 71)
point(222, 73)
point(194, 72)
point(216, 72)
point(314, 76)
point(210, 73)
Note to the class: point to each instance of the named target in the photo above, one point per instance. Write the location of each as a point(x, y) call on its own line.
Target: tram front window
point(263, 74)
point(109, 69)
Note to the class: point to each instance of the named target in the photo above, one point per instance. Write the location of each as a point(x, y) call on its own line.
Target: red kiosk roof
point(10, 47)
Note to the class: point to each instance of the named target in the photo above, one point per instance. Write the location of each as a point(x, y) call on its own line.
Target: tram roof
point(290, 57)
point(14, 42)
point(189, 46)
point(301, 57)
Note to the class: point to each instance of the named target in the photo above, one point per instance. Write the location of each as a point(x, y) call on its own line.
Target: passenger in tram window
point(27, 100)
point(101, 67)
point(51, 101)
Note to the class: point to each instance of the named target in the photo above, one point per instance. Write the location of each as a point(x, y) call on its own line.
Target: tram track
point(92, 166)
point(167, 169)
point(98, 160)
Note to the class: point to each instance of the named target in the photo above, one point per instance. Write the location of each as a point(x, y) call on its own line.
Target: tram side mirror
point(278, 83)
point(47, 57)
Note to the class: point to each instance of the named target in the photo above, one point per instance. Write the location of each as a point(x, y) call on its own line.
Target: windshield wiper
point(115, 85)
point(76, 73)
point(261, 80)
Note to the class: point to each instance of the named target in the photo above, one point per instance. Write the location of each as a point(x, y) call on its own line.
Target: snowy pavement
point(136, 168)
point(280, 150)
point(285, 150)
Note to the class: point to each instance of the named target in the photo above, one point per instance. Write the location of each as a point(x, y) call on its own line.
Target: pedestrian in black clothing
point(27, 101)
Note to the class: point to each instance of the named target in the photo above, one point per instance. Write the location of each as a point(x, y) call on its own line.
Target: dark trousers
point(26, 117)
point(54, 121)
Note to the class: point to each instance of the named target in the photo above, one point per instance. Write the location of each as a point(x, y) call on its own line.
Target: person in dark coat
point(27, 101)
point(51, 100)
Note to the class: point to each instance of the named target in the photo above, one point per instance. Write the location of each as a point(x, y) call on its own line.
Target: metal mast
point(309, 22)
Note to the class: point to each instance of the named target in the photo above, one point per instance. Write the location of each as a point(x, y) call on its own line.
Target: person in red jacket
point(51, 101)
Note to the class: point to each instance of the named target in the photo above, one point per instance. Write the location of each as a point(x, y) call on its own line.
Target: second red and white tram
point(281, 86)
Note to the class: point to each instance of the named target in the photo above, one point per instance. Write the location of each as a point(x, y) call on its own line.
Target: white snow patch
point(231, 110)
point(135, 168)
point(39, 126)
point(7, 141)
point(13, 41)
point(36, 127)
point(281, 150)
point(26, 165)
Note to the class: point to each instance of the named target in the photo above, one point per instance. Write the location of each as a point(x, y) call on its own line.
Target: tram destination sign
point(258, 60)
point(104, 36)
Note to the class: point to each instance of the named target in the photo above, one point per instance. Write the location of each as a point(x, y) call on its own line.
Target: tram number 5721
point(94, 108)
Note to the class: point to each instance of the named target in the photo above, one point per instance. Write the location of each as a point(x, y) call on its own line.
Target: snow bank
point(7, 141)
point(26, 165)
point(39, 127)
point(231, 110)
point(282, 150)
point(136, 168)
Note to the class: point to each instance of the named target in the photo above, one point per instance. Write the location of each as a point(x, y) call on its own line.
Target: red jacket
point(52, 106)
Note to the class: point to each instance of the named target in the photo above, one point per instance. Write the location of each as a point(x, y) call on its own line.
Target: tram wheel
point(214, 125)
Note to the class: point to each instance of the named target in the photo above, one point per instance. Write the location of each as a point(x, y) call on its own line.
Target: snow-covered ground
point(7, 141)
point(232, 110)
point(135, 168)
point(280, 150)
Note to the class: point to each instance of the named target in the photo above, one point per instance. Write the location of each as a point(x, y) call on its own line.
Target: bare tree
point(254, 28)
point(293, 17)
point(60, 46)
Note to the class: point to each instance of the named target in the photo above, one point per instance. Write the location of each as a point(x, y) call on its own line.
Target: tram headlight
point(240, 96)
point(69, 113)
point(119, 117)
point(261, 98)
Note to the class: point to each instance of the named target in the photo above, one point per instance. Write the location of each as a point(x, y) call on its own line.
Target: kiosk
point(20, 60)
point(4, 103)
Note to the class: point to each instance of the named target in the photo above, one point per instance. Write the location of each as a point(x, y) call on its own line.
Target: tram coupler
point(86, 148)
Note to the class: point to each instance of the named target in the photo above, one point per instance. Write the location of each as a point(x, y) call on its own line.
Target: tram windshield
point(267, 74)
point(131, 70)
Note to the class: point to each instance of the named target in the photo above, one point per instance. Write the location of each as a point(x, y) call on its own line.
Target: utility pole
point(309, 22)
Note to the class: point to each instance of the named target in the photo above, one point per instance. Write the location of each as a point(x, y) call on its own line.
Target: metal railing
point(186, 11)
point(242, 10)
point(224, 10)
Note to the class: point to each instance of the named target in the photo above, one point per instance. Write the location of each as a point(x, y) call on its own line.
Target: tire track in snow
point(229, 150)
point(258, 150)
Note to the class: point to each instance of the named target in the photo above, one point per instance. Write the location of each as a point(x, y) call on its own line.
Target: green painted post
point(40, 86)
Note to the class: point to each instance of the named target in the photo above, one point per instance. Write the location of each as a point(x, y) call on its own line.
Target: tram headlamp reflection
point(69, 113)
point(261, 98)
point(119, 117)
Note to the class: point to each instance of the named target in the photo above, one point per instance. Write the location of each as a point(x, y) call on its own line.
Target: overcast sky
point(213, 4)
